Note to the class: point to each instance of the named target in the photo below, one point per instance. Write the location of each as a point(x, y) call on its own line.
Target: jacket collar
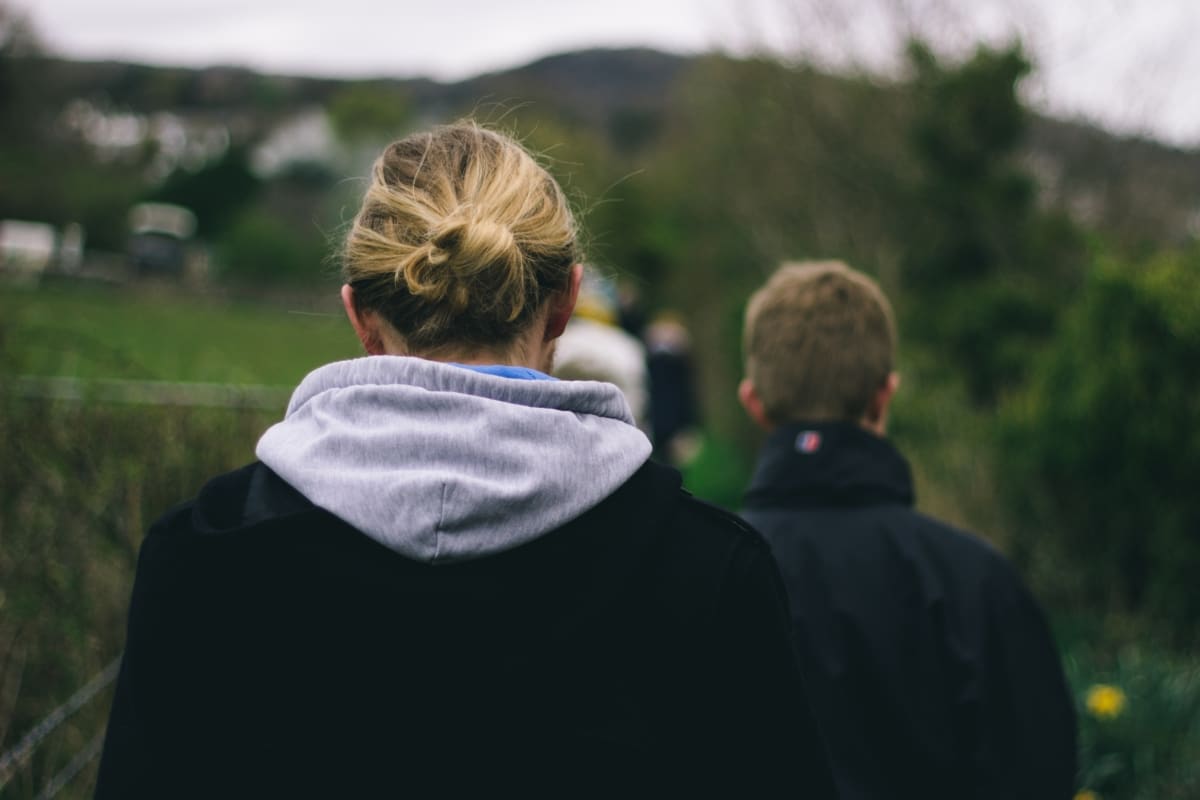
point(822, 464)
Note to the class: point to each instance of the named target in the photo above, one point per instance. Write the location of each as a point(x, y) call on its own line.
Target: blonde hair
point(819, 342)
point(460, 239)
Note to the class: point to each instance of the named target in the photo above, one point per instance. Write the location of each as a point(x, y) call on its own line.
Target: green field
point(167, 335)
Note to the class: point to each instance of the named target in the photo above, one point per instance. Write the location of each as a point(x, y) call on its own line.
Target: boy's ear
point(365, 325)
point(748, 397)
point(877, 412)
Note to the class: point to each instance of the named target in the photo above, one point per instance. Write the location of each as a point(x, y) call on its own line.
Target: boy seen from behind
point(929, 665)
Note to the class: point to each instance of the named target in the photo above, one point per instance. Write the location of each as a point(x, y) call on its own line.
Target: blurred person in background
point(593, 347)
point(930, 666)
point(630, 314)
point(450, 574)
point(674, 421)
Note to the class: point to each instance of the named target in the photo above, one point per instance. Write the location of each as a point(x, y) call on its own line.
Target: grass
point(165, 335)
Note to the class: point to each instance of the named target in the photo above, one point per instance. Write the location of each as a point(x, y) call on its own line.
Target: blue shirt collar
point(506, 371)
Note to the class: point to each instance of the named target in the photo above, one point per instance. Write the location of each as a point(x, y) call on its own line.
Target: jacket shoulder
point(715, 552)
point(704, 519)
point(969, 554)
point(237, 499)
point(893, 534)
point(692, 542)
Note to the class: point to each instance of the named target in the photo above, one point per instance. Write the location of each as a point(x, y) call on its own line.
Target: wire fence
point(19, 755)
point(73, 768)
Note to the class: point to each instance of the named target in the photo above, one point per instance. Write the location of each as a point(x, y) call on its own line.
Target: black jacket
point(274, 651)
point(929, 665)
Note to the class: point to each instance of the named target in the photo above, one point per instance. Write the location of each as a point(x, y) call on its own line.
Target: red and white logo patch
point(808, 442)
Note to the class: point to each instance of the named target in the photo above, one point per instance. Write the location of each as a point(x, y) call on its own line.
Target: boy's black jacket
point(930, 667)
point(274, 651)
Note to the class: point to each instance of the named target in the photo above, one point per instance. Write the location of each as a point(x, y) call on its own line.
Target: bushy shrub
point(1102, 451)
point(262, 249)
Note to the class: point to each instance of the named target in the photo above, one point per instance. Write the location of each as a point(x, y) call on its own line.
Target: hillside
point(1138, 191)
point(589, 85)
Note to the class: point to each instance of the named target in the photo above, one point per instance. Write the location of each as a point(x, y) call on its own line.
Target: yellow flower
point(1086, 794)
point(1105, 702)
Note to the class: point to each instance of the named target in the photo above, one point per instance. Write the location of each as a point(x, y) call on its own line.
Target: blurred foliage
point(215, 193)
point(261, 248)
point(985, 270)
point(373, 111)
point(55, 182)
point(20, 59)
point(1103, 448)
point(949, 443)
point(46, 174)
point(719, 473)
point(612, 191)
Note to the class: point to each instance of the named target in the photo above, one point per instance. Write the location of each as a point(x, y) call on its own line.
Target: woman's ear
point(366, 325)
point(562, 304)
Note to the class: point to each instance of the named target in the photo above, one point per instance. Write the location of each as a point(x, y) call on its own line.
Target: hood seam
point(441, 524)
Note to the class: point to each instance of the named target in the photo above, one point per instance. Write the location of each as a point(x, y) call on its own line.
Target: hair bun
point(461, 238)
point(459, 252)
point(475, 241)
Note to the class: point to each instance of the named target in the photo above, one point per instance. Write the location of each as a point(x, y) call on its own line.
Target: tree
point(369, 111)
point(261, 249)
point(985, 269)
point(215, 193)
point(20, 50)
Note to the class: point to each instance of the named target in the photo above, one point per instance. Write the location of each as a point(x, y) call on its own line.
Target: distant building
point(189, 141)
point(305, 138)
point(26, 249)
point(159, 238)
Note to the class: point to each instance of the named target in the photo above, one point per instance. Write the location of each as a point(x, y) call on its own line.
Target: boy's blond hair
point(819, 343)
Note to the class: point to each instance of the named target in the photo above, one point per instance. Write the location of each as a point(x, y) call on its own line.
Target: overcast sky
point(1134, 66)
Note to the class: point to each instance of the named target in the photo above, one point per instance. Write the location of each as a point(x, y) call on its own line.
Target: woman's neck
point(528, 350)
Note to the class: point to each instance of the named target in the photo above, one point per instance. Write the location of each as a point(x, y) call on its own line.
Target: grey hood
point(442, 463)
